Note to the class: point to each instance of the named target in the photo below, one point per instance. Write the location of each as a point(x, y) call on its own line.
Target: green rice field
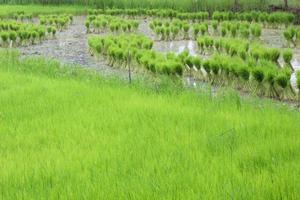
point(93, 107)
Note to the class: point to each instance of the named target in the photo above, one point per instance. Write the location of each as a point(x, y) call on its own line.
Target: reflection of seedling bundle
point(102, 23)
point(61, 22)
point(135, 51)
point(14, 33)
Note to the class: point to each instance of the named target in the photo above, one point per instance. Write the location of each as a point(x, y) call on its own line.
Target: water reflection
point(177, 46)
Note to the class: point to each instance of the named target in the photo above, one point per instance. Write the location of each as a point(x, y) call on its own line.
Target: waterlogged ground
point(70, 47)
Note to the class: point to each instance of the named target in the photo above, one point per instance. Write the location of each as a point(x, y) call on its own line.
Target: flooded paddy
point(70, 47)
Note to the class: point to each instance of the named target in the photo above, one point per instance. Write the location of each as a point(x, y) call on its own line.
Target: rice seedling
point(287, 57)
point(33, 36)
point(258, 74)
point(223, 31)
point(12, 35)
point(197, 63)
point(186, 28)
point(233, 30)
point(244, 76)
point(16, 34)
point(172, 30)
point(237, 29)
point(270, 79)
point(207, 69)
point(188, 61)
point(87, 25)
point(104, 23)
point(283, 81)
point(274, 19)
point(215, 25)
point(196, 31)
point(134, 51)
point(149, 121)
point(289, 36)
point(273, 55)
point(114, 107)
point(261, 52)
point(4, 37)
point(61, 22)
point(256, 30)
point(245, 33)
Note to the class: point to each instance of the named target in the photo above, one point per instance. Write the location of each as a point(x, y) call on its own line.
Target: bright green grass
point(185, 5)
point(78, 6)
point(9, 10)
point(68, 134)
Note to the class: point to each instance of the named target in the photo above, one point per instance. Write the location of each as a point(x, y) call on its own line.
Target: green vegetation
point(287, 57)
point(21, 16)
point(13, 33)
point(239, 47)
point(35, 10)
point(68, 133)
point(186, 5)
point(104, 23)
point(170, 30)
point(267, 19)
point(244, 29)
point(61, 22)
point(292, 35)
point(262, 78)
point(177, 29)
point(248, 67)
point(135, 51)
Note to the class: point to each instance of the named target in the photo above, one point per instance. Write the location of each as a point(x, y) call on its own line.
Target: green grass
point(70, 134)
point(9, 10)
point(76, 6)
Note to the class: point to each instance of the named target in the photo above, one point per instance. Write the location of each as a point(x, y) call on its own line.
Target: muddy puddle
point(70, 47)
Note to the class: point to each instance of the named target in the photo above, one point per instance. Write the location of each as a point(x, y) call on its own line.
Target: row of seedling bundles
point(245, 50)
point(15, 34)
point(134, 52)
point(61, 22)
point(263, 78)
point(104, 23)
